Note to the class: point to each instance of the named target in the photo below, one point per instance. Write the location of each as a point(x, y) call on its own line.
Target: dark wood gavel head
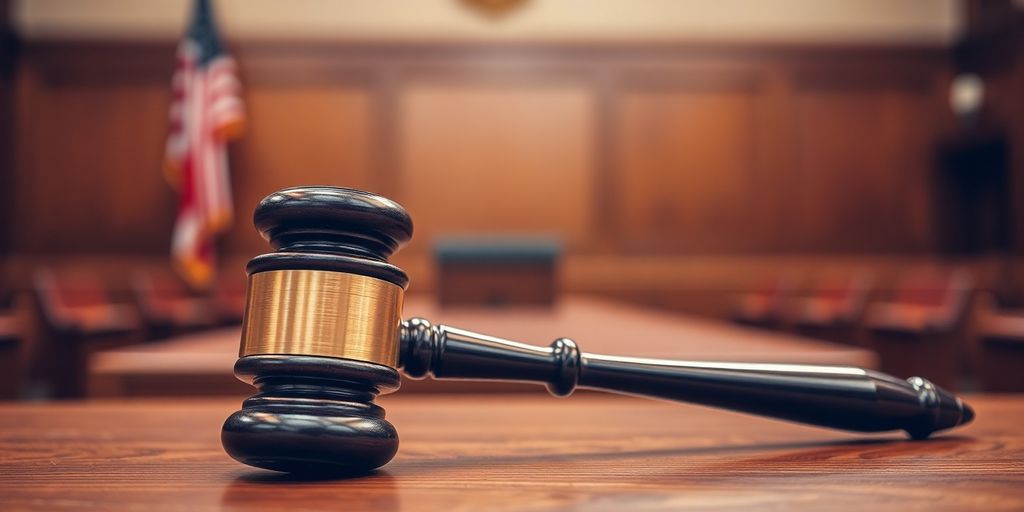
point(320, 333)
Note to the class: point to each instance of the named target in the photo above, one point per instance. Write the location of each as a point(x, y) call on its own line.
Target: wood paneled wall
point(621, 149)
point(7, 58)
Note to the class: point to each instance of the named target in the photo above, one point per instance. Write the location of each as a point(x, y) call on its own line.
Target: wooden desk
point(513, 452)
point(201, 364)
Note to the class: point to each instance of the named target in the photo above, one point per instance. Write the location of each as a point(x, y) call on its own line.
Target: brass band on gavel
point(322, 313)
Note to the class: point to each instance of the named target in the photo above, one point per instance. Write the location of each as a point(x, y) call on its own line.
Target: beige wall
point(904, 21)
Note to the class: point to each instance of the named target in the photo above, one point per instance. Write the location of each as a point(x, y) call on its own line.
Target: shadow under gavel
point(323, 336)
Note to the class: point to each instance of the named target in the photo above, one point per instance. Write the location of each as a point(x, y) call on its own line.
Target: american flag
point(206, 112)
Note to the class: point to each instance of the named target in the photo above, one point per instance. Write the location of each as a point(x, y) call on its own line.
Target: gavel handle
point(839, 397)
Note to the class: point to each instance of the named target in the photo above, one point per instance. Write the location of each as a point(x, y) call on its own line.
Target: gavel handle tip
point(966, 414)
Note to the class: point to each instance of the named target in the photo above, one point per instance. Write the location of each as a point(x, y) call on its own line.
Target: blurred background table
point(513, 452)
point(200, 364)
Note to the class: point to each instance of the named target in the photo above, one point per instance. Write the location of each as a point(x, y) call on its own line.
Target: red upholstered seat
point(924, 300)
point(834, 300)
point(78, 300)
point(766, 303)
point(80, 317)
point(167, 305)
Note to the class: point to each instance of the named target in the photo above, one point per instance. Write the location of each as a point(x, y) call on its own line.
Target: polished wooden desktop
point(200, 364)
point(512, 452)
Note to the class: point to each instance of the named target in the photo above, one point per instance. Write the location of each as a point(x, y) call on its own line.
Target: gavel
point(322, 337)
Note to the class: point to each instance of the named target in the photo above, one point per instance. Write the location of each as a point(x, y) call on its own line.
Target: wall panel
point(301, 135)
point(484, 158)
point(861, 170)
point(685, 169)
point(89, 175)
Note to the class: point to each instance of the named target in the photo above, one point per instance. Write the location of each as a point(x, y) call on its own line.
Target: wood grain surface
point(200, 364)
point(508, 452)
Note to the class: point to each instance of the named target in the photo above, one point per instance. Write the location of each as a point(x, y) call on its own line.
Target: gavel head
point(321, 332)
